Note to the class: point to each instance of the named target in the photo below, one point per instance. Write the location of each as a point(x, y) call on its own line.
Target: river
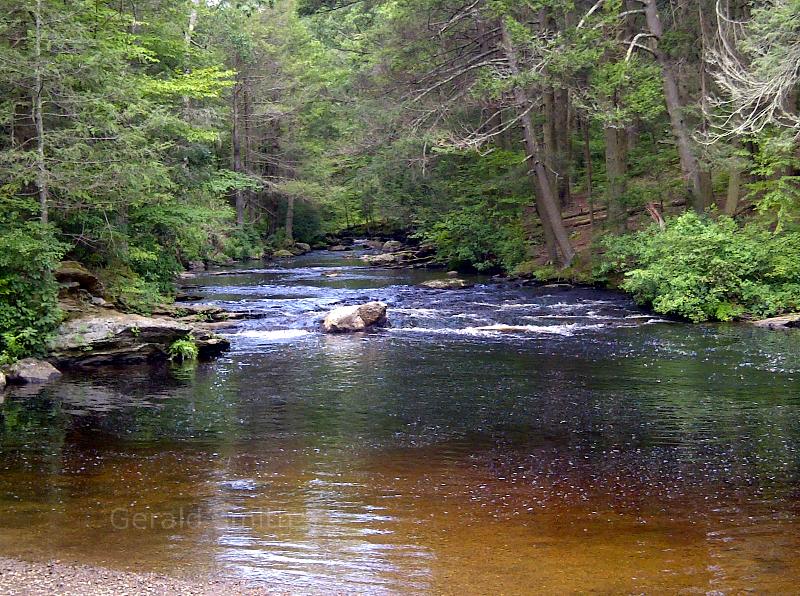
point(593, 448)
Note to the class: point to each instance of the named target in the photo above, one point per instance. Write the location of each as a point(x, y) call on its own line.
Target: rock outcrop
point(387, 259)
point(782, 322)
point(392, 246)
point(113, 337)
point(446, 284)
point(71, 275)
point(30, 371)
point(301, 248)
point(359, 317)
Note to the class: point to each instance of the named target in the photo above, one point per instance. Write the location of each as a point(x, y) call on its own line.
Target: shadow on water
point(493, 439)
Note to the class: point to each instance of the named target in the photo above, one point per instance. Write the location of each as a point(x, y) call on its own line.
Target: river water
point(587, 447)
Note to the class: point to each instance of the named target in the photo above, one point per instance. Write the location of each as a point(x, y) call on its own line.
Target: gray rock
point(452, 274)
point(114, 337)
point(338, 248)
point(2, 381)
point(392, 246)
point(359, 317)
point(446, 284)
point(382, 260)
point(303, 247)
point(782, 322)
point(31, 371)
point(197, 266)
point(374, 244)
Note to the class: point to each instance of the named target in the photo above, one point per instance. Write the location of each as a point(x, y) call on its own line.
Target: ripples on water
point(493, 439)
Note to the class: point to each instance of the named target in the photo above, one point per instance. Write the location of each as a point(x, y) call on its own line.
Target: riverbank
point(24, 577)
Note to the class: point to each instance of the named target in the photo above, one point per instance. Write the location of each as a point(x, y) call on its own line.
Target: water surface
point(496, 439)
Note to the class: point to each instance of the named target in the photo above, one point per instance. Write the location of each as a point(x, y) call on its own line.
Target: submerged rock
point(114, 337)
point(782, 322)
point(338, 248)
point(446, 284)
point(355, 318)
point(282, 254)
point(31, 371)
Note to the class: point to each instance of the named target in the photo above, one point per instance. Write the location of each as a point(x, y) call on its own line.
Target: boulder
point(338, 248)
point(374, 244)
point(385, 259)
point(782, 322)
point(282, 254)
point(303, 247)
point(392, 246)
point(446, 284)
point(73, 275)
point(31, 371)
point(2, 381)
point(114, 337)
point(359, 317)
point(197, 266)
point(452, 274)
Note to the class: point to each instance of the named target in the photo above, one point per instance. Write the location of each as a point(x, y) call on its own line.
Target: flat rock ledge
point(350, 319)
point(113, 337)
point(44, 579)
point(783, 322)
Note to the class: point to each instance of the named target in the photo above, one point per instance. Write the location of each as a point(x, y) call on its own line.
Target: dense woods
point(646, 143)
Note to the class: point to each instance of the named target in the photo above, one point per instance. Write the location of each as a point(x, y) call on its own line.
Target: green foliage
point(701, 270)
point(29, 311)
point(184, 349)
point(476, 238)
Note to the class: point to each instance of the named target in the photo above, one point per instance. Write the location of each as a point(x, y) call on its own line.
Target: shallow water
point(496, 439)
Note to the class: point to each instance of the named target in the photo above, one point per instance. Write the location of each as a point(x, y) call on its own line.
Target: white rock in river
point(355, 318)
point(446, 284)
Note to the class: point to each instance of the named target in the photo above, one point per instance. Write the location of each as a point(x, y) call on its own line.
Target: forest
point(647, 145)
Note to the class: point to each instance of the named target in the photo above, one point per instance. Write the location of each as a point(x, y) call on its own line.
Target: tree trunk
point(237, 154)
point(38, 119)
point(734, 189)
point(587, 165)
point(562, 145)
point(187, 38)
point(549, 143)
point(616, 173)
point(546, 203)
point(698, 189)
point(289, 228)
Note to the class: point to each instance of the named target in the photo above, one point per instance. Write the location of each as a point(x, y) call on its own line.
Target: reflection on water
point(494, 439)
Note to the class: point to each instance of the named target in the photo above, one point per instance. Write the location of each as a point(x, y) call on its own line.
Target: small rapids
point(290, 303)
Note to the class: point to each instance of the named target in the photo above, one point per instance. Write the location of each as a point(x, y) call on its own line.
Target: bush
point(702, 270)
point(28, 291)
point(183, 350)
point(477, 239)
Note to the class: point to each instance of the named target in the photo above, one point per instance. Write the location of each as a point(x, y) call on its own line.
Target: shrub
point(29, 310)
point(184, 349)
point(474, 238)
point(701, 269)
